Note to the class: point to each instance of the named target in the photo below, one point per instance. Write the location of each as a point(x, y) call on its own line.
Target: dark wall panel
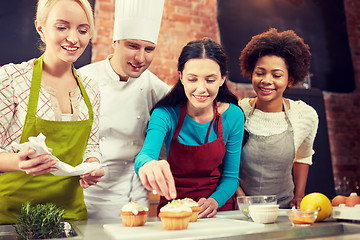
point(19, 40)
point(321, 23)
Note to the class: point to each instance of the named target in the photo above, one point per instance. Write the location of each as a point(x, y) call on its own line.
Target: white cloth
point(138, 19)
point(303, 118)
point(124, 115)
point(64, 169)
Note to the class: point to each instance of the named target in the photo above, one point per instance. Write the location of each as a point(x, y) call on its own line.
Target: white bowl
point(263, 215)
point(263, 207)
point(245, 201)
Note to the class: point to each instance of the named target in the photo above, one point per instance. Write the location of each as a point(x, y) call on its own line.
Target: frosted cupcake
point(134, 214)
point(175, 216)
point(194, 207)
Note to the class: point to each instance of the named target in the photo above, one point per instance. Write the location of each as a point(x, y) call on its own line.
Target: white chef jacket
point(124, 115)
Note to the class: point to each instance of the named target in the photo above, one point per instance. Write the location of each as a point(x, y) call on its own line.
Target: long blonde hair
point(44, 6)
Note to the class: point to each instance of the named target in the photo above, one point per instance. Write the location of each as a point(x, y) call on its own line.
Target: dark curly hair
point(286, 45)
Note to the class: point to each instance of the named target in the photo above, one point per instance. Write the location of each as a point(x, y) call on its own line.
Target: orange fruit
point(317, 201)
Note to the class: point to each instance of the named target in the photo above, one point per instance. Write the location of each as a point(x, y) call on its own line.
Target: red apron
point(197, 169)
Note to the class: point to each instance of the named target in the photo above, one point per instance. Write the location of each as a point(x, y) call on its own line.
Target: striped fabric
point(15, 82)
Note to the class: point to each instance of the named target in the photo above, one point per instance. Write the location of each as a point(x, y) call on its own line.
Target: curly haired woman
point(281, 131)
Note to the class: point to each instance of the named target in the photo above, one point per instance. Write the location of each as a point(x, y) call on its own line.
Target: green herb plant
point(42, 221)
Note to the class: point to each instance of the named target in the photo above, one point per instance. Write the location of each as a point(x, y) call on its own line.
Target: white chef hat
point(138, 19)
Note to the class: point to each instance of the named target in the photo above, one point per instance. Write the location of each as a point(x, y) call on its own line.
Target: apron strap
point(181, 121)
point(34, 95)
point(286, 114)
point(217, 118)
point(35, 87)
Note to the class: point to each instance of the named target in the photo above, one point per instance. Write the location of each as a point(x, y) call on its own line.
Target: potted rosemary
point(42, 221)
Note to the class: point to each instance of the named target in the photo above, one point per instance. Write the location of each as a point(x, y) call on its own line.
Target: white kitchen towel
point(64, 169)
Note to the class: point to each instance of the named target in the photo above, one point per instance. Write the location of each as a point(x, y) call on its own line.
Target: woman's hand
point(156, 175)
point(208, 207)
point(300, 177)
point(34, 166)
point(239, 193)
point(93, 177)
point(296, 202)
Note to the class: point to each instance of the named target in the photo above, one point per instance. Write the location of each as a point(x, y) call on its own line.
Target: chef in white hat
point(128, 93)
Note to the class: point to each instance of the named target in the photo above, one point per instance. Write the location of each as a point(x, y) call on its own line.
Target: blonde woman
point(46, 95)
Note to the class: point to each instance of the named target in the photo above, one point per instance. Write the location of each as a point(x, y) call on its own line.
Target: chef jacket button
point(138, 117)
point(141, 89)
point(102, 138)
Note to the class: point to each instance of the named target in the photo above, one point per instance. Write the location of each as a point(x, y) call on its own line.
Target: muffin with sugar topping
point(134, 214)
point(194, 207)
point(175, 215)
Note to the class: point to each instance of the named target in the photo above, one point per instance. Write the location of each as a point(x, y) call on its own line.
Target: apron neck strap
point(254, 107)
point(216, 118)
point(36, 83)
point(287, 115)
point(35, 86)
point(285, 110)
point(181, 120)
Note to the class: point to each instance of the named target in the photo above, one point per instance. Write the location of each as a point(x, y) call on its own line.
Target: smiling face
point(201, 79)
point(65, 31)
point(132, 57)
point(270, 78)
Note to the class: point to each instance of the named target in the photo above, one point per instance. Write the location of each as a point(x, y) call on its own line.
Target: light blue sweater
point(162, 126)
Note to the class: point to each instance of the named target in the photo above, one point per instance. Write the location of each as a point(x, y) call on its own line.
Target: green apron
point(68, 139)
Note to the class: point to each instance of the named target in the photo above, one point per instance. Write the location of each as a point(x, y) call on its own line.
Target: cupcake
point(175, 216)
point(194, 207)
point(133, 214)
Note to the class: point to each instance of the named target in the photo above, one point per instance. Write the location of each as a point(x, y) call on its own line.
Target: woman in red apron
point(46, 96)
point(202, 127)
